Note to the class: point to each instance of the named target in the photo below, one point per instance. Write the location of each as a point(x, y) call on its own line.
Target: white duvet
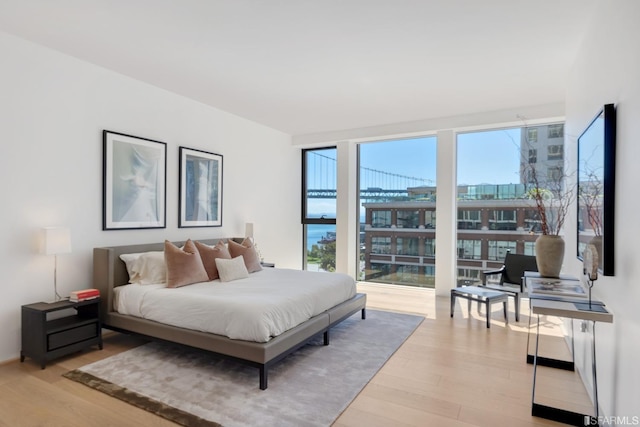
point(264, 305)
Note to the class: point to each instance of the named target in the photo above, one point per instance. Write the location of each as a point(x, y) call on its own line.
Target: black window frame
point(304, 218)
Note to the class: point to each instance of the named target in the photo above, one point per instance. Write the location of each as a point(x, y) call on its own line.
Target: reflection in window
point(532, 221)
point(407, 246)
point(408, 219)
point(502, 219)
point(429, 247)
point(532, 134)
point(554, 152)
point(469, 219)
point(381, 245)
point(430, 219)
point(555, 131)
point(379, 272)
point(407, 273)
point(381, 219)
point(530, 248)
point(498, 249)
point(554, 173)
point(470, 249)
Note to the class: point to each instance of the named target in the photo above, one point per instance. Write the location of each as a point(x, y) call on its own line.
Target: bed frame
point(109, 271)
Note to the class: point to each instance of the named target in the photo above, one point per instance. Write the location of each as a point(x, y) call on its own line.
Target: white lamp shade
point(57, 240)
point(248, 230)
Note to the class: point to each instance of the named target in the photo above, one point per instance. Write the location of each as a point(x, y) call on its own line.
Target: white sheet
point(264, 305)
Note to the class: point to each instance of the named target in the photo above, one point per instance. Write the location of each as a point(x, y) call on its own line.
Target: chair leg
point(488, 310)
point(504, 308)
point(453, 302)
point(516, 300)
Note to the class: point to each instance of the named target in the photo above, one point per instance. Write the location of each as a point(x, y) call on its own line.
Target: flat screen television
point(596, 188)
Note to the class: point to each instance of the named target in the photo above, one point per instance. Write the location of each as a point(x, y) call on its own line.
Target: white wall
point(607, 70)
point(53, 109)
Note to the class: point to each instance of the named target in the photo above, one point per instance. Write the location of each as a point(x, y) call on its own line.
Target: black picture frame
point(200, 184)
point(596, 188)
point(134, 182)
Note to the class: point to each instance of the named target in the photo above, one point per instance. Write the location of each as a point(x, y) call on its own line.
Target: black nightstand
point(46, 336)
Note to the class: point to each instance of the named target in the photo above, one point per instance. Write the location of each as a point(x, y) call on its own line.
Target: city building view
point(398, 222)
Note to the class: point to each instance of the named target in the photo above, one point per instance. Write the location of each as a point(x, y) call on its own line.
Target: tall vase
point(549, 255)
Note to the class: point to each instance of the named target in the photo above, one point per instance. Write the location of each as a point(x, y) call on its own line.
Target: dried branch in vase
point(591, 197)
point(552, 193)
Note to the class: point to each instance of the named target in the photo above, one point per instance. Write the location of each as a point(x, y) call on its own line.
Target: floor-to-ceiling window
point(397, 202)
point(319, 189)
point(496, 171)
point(397, 189)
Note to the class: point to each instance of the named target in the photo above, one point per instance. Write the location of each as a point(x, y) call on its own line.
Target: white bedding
point(264, 305)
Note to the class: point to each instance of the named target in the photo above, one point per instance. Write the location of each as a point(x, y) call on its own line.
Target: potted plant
point(553, 198)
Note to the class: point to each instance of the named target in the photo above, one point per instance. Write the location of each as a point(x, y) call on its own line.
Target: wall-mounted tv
point(596, 188)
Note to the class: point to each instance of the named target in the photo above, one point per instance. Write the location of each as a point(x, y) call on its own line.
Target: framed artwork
point(134, 182)
point(200, 200)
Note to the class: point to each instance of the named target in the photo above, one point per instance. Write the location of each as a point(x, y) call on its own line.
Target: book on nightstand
point(83, 295)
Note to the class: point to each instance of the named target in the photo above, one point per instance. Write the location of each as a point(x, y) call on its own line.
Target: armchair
point(511, 274)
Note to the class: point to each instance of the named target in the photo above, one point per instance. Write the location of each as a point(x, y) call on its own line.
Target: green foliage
point(323, 255)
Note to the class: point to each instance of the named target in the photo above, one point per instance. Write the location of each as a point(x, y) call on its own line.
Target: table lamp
point(57, 240)
point(248, 230)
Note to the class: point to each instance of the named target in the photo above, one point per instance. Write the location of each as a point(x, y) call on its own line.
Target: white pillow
point(231, 269)
point(129, 261)
point(146, 268)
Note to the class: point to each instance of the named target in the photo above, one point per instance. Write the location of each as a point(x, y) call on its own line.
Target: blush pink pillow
point(209, 255)
point(249, 253)
point(184, 266)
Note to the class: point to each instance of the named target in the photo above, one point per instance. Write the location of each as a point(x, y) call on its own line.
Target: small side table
point(45, 338)
point(480, 294)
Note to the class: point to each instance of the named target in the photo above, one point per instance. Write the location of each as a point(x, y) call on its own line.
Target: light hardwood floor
point(450, 372)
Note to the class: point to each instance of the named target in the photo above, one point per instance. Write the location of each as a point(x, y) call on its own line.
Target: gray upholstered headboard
point(109, 271)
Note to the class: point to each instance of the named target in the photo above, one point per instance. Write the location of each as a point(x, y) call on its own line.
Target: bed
point(110, 274)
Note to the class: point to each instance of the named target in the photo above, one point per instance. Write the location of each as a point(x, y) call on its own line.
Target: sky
point(487, 157)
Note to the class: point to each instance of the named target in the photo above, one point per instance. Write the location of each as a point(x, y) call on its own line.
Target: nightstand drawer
point(72, 336)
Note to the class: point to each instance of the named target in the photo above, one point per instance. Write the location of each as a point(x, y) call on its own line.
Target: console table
point(561, 307)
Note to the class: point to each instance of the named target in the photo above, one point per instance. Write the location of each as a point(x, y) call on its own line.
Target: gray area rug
point(311, 387)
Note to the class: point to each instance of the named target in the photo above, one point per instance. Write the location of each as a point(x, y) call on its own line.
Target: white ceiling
point(312, 66)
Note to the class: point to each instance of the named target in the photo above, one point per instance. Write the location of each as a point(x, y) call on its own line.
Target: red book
point(84, 293)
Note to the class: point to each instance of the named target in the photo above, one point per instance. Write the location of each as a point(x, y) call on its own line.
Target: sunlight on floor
point(423, 301)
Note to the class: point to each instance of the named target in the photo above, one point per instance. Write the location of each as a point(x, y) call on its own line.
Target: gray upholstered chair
point(511, 276)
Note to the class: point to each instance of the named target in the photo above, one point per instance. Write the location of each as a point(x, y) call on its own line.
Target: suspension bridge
point(376, 185)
